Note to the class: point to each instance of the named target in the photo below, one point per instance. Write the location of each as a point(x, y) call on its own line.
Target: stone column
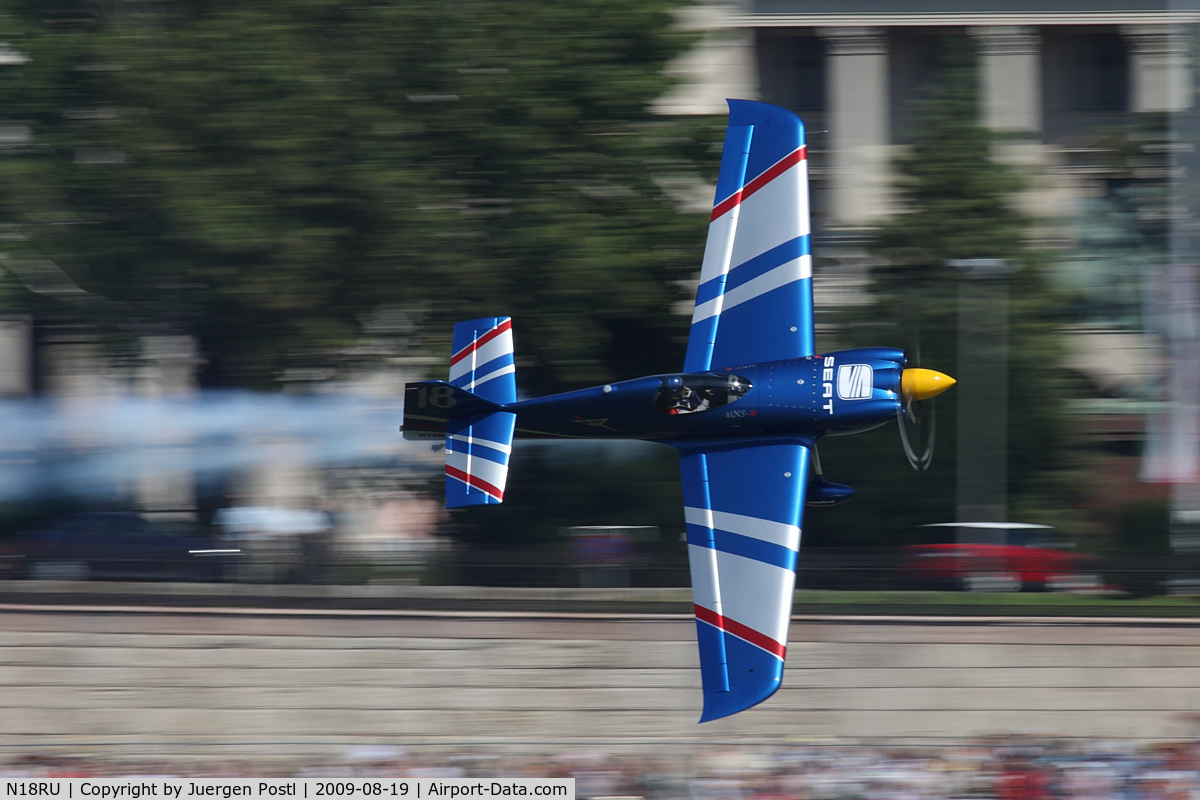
point(1010, 102)
point(859, 124)
point(166, 486)
point(1159, 68)
point(16, 356)
point(1010, 78)
point(723, 64)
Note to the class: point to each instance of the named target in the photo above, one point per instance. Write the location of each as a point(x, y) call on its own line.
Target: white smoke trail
point(86, 446)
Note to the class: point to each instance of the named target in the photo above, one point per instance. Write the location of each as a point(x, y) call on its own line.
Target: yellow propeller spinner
point(922, 384)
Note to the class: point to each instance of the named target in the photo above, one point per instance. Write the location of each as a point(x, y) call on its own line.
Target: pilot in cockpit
point(687, 400)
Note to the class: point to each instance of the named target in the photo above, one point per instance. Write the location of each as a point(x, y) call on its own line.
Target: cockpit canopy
point(689, 394)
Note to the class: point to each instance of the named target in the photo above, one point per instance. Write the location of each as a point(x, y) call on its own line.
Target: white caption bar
point(302, 788)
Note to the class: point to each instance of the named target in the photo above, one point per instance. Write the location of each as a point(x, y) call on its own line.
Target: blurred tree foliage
point(265, 176)
point(957, 202)
point(1140, 555)
point(262, 175)
point(553, 488)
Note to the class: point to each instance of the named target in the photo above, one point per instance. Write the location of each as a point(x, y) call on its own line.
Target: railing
point(438, 563)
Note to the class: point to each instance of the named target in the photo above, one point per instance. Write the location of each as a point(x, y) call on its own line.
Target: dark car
point(110, 546)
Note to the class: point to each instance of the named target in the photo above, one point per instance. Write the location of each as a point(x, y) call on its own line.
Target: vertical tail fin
point(468, 411)
point(477, 448)
point(483, 359)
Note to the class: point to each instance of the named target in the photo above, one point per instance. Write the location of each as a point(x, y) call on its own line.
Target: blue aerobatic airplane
point(745, 413)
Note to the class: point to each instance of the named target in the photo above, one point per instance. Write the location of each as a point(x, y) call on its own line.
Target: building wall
point(1052, 73)
point(239, 685)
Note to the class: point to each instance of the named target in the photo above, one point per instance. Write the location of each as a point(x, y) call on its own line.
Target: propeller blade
point(919, 462)
point(918, 385)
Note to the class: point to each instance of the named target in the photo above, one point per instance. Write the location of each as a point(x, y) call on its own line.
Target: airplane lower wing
point(743, 502)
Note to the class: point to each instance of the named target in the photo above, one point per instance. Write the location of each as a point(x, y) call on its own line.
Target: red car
point(1000, 556)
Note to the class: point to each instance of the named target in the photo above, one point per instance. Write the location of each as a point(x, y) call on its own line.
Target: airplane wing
point(754, 302)
point(743, 502)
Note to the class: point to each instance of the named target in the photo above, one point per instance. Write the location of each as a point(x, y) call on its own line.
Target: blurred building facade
point(1054, 76)
point(1049, 73)
point(1061, 81)
point(1055, 79)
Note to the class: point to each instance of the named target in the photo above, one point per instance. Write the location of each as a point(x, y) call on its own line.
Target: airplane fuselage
point(840, 392)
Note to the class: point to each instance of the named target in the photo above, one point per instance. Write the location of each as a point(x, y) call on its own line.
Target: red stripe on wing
point(777, 649)
point(771, 173)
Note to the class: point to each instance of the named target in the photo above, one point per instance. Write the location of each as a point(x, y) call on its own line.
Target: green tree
point(957, 202)
point(262, 175)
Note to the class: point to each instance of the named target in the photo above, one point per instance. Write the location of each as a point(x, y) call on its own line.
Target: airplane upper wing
point(754, 302)
point(743, 502)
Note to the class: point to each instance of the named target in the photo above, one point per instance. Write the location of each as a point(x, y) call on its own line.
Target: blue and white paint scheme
point(745, 413)
point(754, 302)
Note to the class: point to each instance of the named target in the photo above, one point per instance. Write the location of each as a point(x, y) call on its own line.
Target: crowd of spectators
point(1002, 769)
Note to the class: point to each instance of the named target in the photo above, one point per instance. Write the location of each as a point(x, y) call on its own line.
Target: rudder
point(468, 412)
